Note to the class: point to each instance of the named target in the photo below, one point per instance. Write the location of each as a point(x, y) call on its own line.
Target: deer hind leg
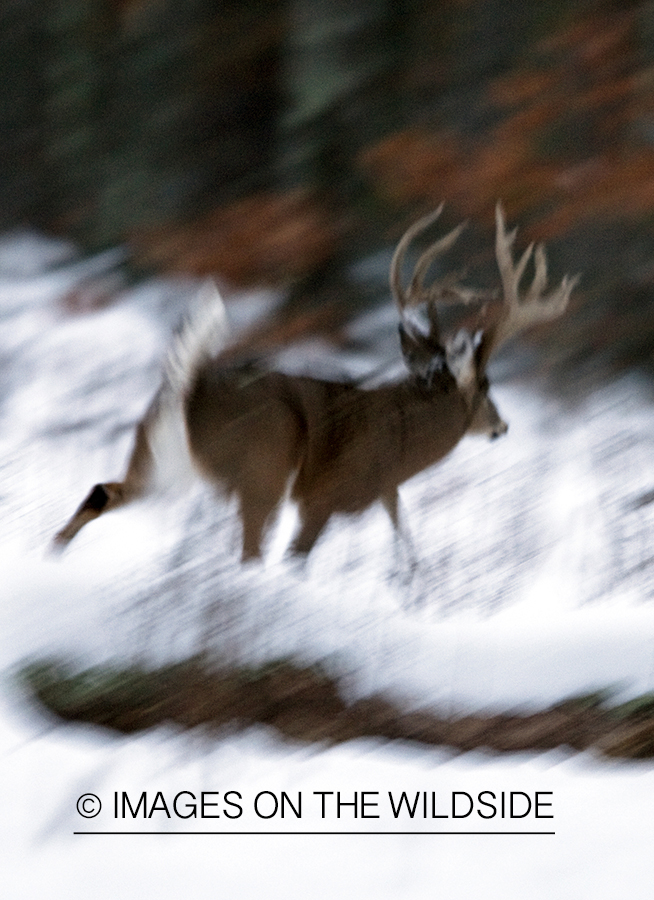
point(406, 558)
point(266, 449)
point(257, 510)
point(101, 497)
point(112, 494)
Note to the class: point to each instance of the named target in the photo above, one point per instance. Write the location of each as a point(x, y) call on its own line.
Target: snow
point(536, 582)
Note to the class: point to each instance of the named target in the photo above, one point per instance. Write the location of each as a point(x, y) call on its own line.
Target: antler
point(444, 290)
point(517, 312)
point(535, 306)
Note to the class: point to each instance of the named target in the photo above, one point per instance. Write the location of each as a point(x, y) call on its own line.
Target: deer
point(335, 447)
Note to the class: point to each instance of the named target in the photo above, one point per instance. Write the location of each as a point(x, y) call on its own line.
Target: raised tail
point(203, 334)
point(161, 458)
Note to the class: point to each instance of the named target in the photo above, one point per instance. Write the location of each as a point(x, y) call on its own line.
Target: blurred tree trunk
point(151, 111)
point(21, 113)
point(77, 42)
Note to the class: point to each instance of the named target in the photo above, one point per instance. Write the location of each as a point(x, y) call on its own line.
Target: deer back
point(347, 445)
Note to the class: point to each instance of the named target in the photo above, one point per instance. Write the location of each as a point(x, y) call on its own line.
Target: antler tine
point(416, 293)
point(446, 290)
point(401, 297)
point(535, 307)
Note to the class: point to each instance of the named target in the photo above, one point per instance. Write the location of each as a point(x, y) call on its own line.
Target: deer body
point(253, 432)
point(250, 432)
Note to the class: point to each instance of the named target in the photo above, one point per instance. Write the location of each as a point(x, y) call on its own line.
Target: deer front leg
point(313, 519)
point(262, 489)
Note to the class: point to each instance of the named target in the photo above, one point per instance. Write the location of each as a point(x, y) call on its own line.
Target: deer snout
point(487, 420)
point(494, 426)
point(500, 429)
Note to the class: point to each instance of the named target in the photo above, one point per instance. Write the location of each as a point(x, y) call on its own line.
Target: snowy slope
point(536, 582)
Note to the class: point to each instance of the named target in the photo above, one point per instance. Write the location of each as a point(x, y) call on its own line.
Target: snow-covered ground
point(536, 582)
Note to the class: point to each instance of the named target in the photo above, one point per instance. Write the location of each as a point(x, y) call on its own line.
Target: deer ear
point(413, 343)
point(407, 340)
point(425, 358)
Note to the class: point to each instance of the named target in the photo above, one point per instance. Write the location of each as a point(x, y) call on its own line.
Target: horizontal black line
point(271, 833)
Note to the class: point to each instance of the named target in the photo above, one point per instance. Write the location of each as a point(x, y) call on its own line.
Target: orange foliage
point(586, 73)
point(261, 239)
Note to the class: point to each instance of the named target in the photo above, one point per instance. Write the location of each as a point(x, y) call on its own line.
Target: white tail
point(252, 431)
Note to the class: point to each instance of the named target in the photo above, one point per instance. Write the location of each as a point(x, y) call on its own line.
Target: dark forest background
point(279, 142)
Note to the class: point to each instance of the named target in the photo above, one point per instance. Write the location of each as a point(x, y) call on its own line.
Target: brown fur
point(251, 432)
point(254, 432)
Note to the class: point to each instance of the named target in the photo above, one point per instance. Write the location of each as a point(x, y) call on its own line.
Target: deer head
point(466, 356)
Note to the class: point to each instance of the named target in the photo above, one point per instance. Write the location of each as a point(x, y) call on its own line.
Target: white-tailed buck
point(252, 431)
